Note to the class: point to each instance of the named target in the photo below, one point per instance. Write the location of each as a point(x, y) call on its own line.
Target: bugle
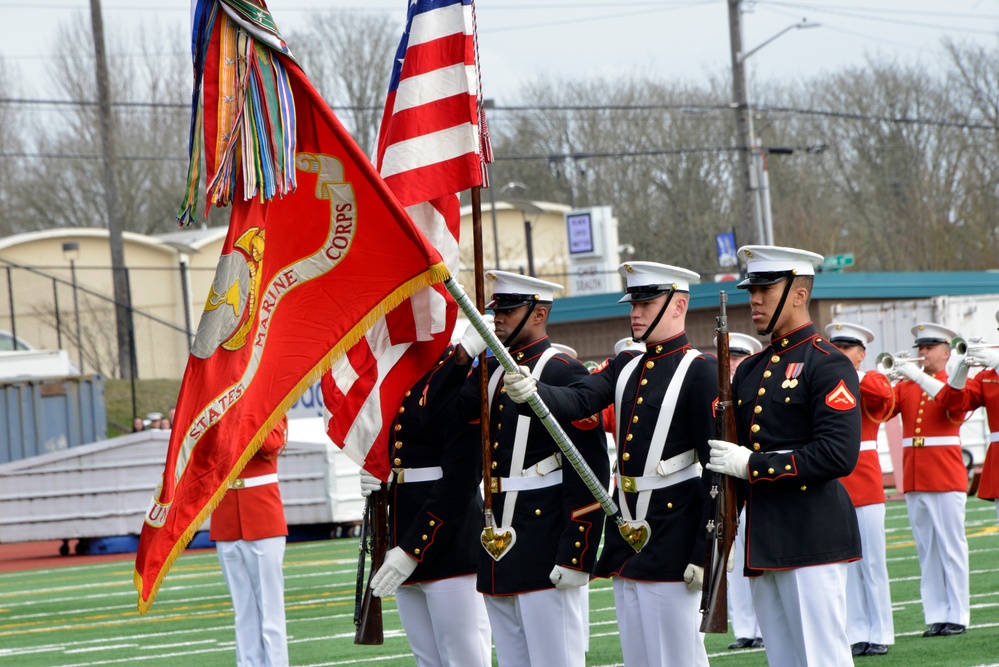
point(974, 350)
point(888, 364)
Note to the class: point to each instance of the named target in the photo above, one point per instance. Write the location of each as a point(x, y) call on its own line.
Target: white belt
point(994, 436)
point(672, 471)
point(932, 441)
point(412, 475)
point(867, 445)
point(546, 472)
point(250, 482)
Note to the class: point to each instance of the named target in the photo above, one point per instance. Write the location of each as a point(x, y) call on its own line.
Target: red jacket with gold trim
point(877, 400)
point(929, 468)
point(256, 512)
point(980, 391)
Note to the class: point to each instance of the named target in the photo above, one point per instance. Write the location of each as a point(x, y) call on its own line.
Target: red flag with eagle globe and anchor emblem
point(318, 250)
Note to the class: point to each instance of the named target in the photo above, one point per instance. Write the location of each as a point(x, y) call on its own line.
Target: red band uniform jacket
point(929, 468)
point(256, 512)
point(557, 525)
point(436, 522)
point(677, 514)
point(796, 407)
point(877, 401)
point(980, 391)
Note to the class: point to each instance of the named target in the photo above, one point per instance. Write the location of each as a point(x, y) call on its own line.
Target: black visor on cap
point(764, 278)
point(508, 301)
point(929, 341)
point(739, 352)
point(846, 340)
point(644, 293)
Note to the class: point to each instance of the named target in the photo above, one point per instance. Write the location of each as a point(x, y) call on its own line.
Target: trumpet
point(889, 364)
point(975, 350)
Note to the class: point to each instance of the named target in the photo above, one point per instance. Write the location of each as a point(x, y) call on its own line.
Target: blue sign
point(726, 249)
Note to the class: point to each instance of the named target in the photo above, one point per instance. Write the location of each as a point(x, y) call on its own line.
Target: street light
point(71, 251)
point(760, 186)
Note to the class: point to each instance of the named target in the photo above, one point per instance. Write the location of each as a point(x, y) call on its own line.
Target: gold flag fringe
point(436, 273)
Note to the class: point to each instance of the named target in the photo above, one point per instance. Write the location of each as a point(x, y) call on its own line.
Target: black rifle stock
point(374, 541)
point(723, 521)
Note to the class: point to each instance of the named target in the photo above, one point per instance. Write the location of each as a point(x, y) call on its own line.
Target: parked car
point(8, 343)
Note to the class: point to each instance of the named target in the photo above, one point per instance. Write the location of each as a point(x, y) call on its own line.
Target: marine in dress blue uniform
point(533, 592)
point(435, 515)
point(798, 424)
point(664, 414)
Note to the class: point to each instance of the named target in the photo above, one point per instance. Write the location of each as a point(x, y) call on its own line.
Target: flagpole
point(635, 535)
point(480, 307)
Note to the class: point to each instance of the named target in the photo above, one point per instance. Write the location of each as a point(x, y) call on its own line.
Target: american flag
point(430, 148)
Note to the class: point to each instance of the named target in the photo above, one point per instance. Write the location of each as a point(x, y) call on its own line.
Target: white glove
point(729, 459)
point(730, 563)
point(369, 483)
point(520, 385)
point(957, 371)
point(926, 382)
point(396, 569)
point(564, 578)
point(471, 341)
point(987, 357)
point(693, 576)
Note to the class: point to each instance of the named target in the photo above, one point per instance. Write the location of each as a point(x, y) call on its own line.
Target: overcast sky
point(523, 39)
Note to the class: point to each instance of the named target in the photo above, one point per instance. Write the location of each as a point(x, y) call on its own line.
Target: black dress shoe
point(859, 648)
point(876, 649)
point(950, 629)
point(934, 630)
point(758, 642)
point(741, 642)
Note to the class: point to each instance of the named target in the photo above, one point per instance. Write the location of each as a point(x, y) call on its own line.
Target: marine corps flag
point(318, 250)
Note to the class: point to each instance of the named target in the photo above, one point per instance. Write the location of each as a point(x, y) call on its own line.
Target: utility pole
point(749, 227)
point(122, 298)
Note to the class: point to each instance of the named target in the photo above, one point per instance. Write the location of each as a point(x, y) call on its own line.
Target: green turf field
point(83, 616)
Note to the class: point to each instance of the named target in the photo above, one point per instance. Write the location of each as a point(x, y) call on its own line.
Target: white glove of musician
point(369, 483)
point(957, 370)
point(471, 341)
point(396, 569)
point(987, 357)
point(520, 385)
point(693, 576)
point(926, 382)
point(564, 578)
point(729, 459)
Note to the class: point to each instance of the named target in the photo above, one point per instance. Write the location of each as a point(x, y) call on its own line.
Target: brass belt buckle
point(628, 484)
point(919, 441)
point(239, 483)
point(494, 485)
point(400, 475)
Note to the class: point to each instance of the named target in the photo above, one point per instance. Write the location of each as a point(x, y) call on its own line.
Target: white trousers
point(740, 598)
point(252, 571)
point(937, 521)
point(659, 623)
point(538, 629)
point(868, 597)
point(802, 614)
point(446, 623)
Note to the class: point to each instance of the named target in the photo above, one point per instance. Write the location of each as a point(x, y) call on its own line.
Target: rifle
point(374, 542)
point(724, 520)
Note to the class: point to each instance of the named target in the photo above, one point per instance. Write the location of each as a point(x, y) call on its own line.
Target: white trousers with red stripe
point(868, 598)
point(659, 624)
point(445, 622)
point(802, 614)
point(538, 629)
point(252, 571)
point(937, 520)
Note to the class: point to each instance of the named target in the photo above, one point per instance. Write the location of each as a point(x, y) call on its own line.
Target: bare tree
point(151, 137)
point(349, 57)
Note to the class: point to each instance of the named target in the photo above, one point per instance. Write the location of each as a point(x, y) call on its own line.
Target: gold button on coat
point(537, 512)
point(626, 456)
point(758, 409)
point(774, 359)
point(650, 364)
point(787, 467)
point(397, 461)
point(770, 471)
point(767, 374)
point(761, 391)
point(755, 428)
